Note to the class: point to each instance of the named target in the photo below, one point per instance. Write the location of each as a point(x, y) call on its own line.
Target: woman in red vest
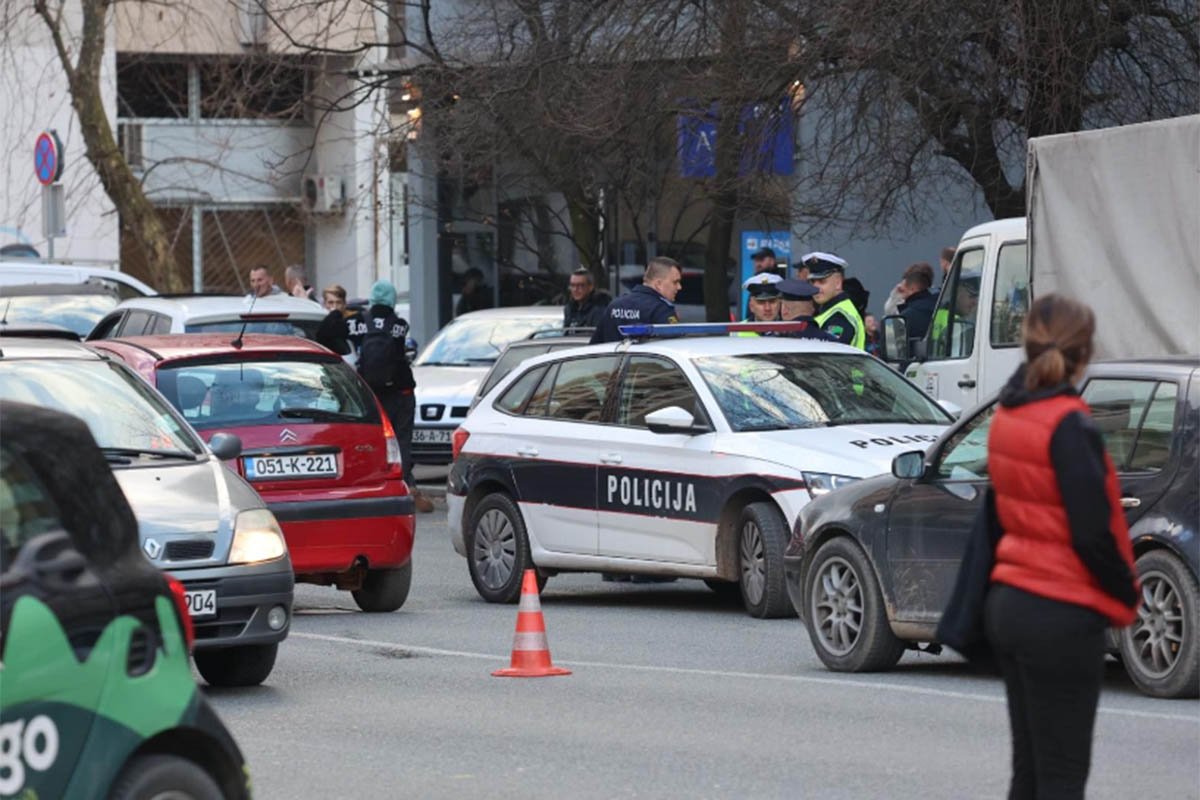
point(1064, 564)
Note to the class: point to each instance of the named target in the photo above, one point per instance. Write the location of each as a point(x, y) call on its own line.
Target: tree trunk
point(585, 230)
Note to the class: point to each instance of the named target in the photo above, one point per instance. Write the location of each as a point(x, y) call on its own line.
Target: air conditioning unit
point(324, 194)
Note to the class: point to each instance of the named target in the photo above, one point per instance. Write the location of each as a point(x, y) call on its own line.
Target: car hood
point(855, 450)
point(180, 502)
point(450, 385)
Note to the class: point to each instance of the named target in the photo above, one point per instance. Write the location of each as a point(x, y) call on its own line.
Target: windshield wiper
point(112, 453)
point(318, 413)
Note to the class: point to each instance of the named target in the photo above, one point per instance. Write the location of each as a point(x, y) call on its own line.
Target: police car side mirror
point(671, 419)
point(910, 465)
point(894, 344)
point(225, 446)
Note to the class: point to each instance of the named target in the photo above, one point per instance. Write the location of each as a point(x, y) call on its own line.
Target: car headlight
point(819, 483)
point(256, 537)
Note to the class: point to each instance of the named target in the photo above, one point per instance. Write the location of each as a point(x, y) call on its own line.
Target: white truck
point(1113, 220)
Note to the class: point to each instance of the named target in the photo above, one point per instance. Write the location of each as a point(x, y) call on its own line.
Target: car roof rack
point(649, 331)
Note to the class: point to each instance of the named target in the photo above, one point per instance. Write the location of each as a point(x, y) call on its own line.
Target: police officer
point(651, 303)
point(797, 304)
point(836, 312)
point(764, 297)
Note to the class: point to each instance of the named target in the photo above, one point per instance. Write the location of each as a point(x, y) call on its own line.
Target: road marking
point(716, 673)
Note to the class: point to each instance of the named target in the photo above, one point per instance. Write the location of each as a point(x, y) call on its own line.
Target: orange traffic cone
point(530, 652)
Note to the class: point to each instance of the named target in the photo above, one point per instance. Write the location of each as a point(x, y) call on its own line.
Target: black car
point(99, 698)
point(871, 566)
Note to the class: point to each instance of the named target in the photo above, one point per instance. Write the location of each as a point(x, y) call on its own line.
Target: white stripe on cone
point(535, 642)
point(529, 602)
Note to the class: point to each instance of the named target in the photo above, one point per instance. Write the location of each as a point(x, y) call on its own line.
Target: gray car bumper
point(245, 595)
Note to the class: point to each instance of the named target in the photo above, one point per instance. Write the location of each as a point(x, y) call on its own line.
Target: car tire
point(164, 776)
point(762, 535)
point(845, 615)
point(498, 549)
point(247, 665)
point(1166, 619)
point(384, 590)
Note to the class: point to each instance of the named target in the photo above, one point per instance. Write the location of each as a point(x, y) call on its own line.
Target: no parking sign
point(48, 158)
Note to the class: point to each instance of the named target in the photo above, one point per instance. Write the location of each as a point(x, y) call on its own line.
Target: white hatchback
point(686, 457)
point(146, 316)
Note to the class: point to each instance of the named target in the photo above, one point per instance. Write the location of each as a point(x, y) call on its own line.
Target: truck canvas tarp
point(1114, 218)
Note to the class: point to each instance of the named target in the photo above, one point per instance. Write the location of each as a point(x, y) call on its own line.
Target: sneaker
point(421, 501)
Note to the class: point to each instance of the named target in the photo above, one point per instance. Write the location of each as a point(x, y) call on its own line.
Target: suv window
point(581, 388)
point(1010, 296)
point(965, 457)
point(514, 397)
point(135, 323)
point(952, 331)
point(107, 327)
point(27, 509)
point(650, 384)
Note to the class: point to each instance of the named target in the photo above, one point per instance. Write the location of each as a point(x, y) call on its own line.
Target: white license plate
point(202, 603)
point(431, 436)
point(260, 468)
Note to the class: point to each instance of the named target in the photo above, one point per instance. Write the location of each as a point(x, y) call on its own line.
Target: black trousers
point(400, 409)
point(1052, 657)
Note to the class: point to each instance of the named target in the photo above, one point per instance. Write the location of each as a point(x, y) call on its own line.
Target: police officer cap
point(793, 289)
point(763, 286)
point(821, 265)
point(762, 252)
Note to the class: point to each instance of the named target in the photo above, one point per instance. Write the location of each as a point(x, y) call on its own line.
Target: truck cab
point(974, 339)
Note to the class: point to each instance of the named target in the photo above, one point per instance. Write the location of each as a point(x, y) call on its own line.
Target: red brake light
point(185, 617)
point(457, 440)
point(394, 461)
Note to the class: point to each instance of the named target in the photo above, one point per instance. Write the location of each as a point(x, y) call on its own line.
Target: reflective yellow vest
point(851, 313)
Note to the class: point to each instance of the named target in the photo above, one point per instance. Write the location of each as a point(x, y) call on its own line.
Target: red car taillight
point(185, 617)
point(394, 461)
point(457, 440)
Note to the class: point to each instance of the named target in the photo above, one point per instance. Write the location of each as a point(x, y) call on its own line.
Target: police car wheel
point(846, 620)
point(762, 534)
point(1159, 650)
point(163, 777)
point(384, 590)
point(498, 549)
point(247, 665)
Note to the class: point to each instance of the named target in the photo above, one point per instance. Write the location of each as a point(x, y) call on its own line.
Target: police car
point(680, 456)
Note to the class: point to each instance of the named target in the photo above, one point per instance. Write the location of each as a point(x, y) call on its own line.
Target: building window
point(151, 89)
point(253, 89)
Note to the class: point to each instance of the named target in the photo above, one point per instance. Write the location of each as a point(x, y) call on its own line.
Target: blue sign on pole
point(47, 158)
point(779, 241)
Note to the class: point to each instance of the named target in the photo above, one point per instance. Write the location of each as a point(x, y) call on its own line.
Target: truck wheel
point(164, 776)
point(498, 549)
point(762, 535)
point(248, 665)
point(845, 617)
point(1159, 649)
point(384, 590)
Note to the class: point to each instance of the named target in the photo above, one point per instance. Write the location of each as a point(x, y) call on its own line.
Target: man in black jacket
point(653, 302)
point(584, 309)
point(918, 303)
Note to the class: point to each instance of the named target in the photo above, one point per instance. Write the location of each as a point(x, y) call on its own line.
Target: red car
point(315, 444)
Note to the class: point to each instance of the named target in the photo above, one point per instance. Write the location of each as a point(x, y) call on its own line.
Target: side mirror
point(225, 446)
point(910, 465)
point(894, 344)
point(951, 408)
point(671, 419)
point(410, 349)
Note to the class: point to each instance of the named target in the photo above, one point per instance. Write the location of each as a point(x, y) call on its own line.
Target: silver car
point(196, 519)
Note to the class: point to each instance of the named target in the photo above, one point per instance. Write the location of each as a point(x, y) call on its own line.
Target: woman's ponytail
point(1058, 340)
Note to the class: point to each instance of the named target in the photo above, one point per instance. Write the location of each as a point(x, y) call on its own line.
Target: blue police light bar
point(644, 331)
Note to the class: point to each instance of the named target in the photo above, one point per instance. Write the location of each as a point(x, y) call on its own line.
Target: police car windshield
point(479, 342)
point(784, 391)
point(121, 410)
point(269, 392)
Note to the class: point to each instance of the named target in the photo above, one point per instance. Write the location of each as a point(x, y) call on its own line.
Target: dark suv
point(99, 698)
point(871, 566)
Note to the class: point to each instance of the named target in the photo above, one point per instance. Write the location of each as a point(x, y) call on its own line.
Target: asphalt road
point(675, 693)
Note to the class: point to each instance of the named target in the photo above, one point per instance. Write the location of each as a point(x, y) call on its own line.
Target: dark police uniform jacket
point(813, 331)
point(643, 305)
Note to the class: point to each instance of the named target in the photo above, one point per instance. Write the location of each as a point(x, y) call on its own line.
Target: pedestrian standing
point(296, 281)
point(334, 331)
point(476, 295)
point(380, 336)
point(837, 314)
point(261, 282)
point(763, 289)
point(945, 259)
point(797, 304)
point(651, 303)
point(584, 309)
point(917, 303)
point(872, 327)
point(1063, 569)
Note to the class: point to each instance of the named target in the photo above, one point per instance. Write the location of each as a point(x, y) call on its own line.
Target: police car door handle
point(527, 452)
point(1130, 502)
point(611, 458)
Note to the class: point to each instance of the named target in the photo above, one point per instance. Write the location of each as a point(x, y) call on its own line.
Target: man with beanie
point(380, 335)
